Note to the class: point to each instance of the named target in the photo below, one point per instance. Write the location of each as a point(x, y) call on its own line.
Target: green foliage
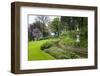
point(55, 52)
point(84, 43)
point(69, 38)
point(59, 53)
point(71, 55)
point(64, 34)
point(67, 41)
point(84, 37)
point(84, 34)
point(55, 26)
point(29, 36)
point(61, 44)
point(50, 49)
point(46, 45)
point(35, 53)
point(70, 34)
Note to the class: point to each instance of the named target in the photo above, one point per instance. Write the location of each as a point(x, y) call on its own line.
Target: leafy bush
point(67, 41)
point(70, 34)
point(59, 53)
point(69, 38)
point(64, 33)
point(55, 52)
point(84, 43)
point(72, 55)
point(84, 37)
point(55, 41)
point(46, 45)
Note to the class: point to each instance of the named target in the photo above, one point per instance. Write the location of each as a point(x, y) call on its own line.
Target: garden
point(57, 37)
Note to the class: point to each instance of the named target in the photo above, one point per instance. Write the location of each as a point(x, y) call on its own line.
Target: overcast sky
point(32, 18)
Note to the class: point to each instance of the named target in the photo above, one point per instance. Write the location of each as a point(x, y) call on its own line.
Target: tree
point(69, 23)
point(55, 26)
point(84, 32)
point(43, 20)
point(34, 31)
point(29, 34)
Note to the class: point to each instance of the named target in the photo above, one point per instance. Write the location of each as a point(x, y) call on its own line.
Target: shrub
point(46, 45)
point(60, 53)
point(67, 41)
point(64, 33)
point(84, 43)
point(71, 55)
point(55, 52)
point(64, 57)
point(55, 41)
point(70, 34)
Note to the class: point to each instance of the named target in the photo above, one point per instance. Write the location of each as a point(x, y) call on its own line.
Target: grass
point(54, 48)
point(35, 53)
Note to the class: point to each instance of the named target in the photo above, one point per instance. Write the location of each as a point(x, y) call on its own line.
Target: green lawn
point(35, 53)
